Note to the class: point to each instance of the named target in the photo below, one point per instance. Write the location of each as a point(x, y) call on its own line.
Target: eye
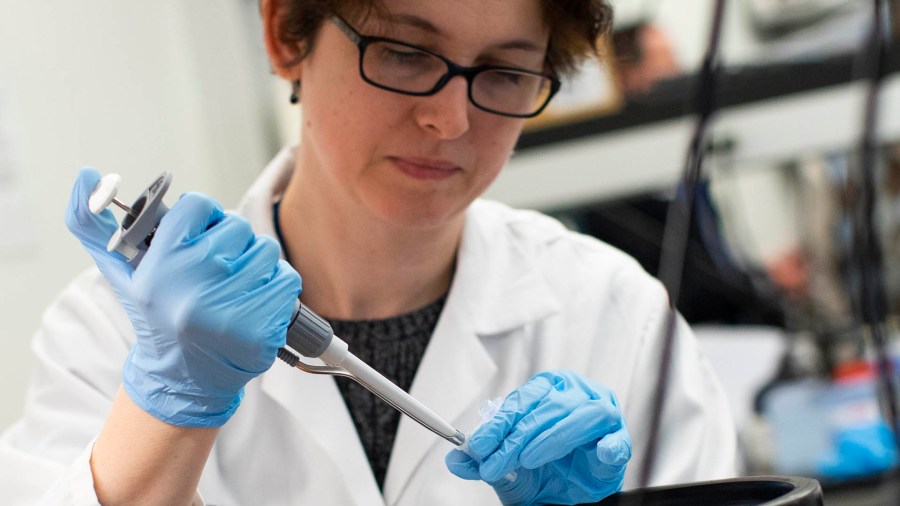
point(407, 55)
point(404, 56)
point(506, 78)
point(400, 55)
point(511, 77)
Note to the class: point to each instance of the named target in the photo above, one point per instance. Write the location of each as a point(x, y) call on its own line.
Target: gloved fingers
point(567, 392)
point(278, 291)
point(462, 465)
point(613, 452)
point(508, 456)
point(591, 388)
point(586, 423)
point(556, 405)
point(190, 217)
point(278, 296)
point(94, 230)
point(230, 238)
point(288, 280)
point(524, 489)
point(258, 264)
point(614, 449)
point(519, 403)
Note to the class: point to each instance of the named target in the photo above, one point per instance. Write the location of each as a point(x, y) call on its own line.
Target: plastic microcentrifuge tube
point(485, 412)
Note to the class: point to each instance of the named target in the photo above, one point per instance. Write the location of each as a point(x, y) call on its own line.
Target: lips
point(424, 168)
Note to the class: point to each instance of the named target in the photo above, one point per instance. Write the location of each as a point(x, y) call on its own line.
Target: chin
point(420, 216)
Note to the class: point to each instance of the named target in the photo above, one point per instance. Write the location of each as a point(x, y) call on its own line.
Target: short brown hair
point(575, 25)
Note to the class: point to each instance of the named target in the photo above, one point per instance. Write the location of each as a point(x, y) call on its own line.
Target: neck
point(355, 266)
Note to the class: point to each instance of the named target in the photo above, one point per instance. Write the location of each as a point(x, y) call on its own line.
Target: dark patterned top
point(393, 347)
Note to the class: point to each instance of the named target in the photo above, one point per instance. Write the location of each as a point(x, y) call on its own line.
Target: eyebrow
point(427, 26)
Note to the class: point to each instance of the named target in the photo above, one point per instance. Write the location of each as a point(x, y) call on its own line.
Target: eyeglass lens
point(407, 69)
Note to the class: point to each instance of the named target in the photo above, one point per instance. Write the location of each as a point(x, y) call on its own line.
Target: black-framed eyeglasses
point(412, 70)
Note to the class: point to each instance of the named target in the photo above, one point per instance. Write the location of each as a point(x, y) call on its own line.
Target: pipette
point(311, 336)
point(308, 334)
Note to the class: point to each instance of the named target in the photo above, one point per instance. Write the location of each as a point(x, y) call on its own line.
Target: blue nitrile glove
point(562, 434)
point(210, 304)
point(862, 450)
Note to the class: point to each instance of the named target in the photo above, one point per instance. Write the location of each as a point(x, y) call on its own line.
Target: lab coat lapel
point(452, 374)
point(495, 289)
point(313, 400)
point(319, 411)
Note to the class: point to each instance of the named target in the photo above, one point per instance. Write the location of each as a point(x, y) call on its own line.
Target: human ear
point(284, 56)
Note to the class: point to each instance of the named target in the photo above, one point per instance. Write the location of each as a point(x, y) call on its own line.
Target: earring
point(295, 92)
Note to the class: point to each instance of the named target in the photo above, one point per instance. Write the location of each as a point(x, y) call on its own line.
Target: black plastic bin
point(760, 490)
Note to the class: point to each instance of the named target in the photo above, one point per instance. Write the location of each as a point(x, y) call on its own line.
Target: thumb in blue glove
point(210, 304)
point(561, 433)
point(94, 231)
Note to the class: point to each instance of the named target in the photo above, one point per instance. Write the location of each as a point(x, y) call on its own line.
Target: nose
point(446, 113)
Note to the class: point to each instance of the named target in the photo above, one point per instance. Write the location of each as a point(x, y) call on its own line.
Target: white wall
point(126, 86)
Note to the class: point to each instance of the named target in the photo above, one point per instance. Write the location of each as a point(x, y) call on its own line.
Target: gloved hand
point(561, 433)
point(210, 304)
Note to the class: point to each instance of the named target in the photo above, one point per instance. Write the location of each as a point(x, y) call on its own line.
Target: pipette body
point(308, 334)
point(312, 337)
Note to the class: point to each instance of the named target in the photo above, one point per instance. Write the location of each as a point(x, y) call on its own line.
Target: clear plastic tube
point(486, 411)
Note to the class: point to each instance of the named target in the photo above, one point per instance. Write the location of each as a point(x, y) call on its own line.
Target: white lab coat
point(527, 296)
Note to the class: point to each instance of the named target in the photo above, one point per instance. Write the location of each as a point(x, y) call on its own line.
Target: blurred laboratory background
point(773, 274)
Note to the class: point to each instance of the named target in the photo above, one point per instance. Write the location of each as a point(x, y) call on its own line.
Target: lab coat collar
point(496, 288)
point(504, 289)
point(256, 205)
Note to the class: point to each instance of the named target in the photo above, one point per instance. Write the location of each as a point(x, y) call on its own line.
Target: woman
point(410, 109)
